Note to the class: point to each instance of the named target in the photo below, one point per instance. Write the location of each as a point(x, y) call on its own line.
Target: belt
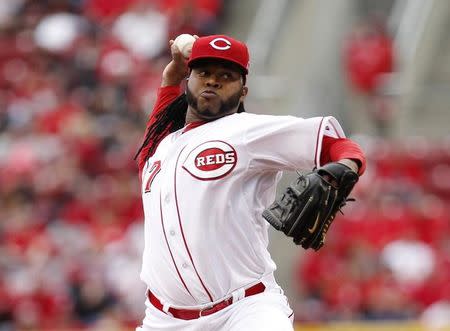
point(190, 314)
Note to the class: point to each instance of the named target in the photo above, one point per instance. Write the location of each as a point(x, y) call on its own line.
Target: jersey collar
point(192, 125)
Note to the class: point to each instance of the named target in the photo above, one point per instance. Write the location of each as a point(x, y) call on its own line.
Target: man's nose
point(212, 82)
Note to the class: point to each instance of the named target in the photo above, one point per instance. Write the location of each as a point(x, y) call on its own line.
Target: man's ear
point(244, 93)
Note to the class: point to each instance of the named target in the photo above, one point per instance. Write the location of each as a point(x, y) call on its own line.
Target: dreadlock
point(169, 120)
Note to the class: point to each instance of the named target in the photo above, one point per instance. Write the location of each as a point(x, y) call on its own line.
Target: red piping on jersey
point(181, 226)
point(317, 141)
point(170, 251)
point(335, 130)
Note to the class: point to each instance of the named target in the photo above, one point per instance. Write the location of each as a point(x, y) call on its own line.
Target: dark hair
point(169, 120)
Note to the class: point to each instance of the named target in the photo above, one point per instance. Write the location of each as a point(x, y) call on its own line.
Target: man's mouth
point(208, 94)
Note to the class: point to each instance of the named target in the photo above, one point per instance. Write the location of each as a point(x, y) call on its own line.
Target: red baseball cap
point(220, 47)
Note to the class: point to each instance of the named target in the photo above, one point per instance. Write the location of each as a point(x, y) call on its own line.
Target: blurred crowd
point(388, 257)
point(370, 64)
point(77, 82)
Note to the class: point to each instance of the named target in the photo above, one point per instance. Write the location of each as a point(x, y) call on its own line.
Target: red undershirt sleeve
point(335, 149)
point(165, 95)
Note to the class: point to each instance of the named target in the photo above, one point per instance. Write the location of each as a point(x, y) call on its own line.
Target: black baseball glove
point(308, 207)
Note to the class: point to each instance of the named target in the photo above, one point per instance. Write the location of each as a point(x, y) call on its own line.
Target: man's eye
point(203, 73)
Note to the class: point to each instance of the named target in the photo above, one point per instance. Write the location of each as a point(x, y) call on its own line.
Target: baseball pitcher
point(209, 171)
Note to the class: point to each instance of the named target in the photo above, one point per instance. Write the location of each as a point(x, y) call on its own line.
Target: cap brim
point(199, 58)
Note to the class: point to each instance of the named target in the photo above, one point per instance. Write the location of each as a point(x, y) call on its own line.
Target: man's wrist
point(171, 80)
point(174, 73)
point(350, 163)
point(168, 82)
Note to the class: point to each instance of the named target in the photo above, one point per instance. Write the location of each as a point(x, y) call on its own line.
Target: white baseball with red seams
point(204, 191)
point(184, 43)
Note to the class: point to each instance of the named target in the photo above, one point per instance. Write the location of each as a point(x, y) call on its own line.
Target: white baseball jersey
point(204, 191)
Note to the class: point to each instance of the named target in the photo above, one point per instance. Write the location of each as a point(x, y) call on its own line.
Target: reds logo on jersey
point(211, 160)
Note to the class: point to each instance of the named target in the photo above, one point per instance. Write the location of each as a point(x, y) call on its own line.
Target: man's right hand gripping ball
point(308, 207)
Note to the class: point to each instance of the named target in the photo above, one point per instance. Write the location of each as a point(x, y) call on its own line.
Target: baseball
point(184, 43)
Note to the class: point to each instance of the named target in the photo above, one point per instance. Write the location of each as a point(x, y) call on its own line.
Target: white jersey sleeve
point(288, 142)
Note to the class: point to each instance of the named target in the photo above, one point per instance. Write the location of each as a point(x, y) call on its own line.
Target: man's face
point(214, 90)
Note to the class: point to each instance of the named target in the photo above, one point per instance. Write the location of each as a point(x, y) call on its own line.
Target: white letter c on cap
point(220, 48)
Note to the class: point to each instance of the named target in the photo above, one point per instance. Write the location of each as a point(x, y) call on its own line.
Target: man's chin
point(207, 113)
point(208, 116)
